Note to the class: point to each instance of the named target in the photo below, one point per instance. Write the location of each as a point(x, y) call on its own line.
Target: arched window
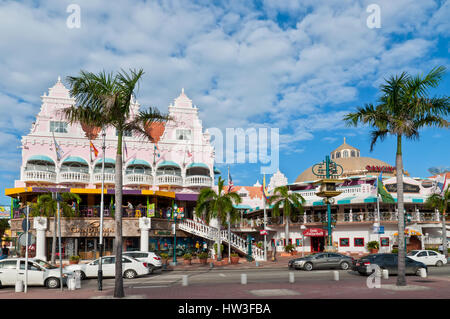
point(338, 154)
point(353, 154)
point(345, 154)
point(332, 156)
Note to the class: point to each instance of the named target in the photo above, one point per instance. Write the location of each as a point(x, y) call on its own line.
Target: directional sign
point(23, 238)
point(24, 225)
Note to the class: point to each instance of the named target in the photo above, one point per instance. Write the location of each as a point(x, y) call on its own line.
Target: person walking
point(5, 252)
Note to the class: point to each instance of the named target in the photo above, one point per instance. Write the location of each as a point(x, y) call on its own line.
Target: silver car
point(322, 261)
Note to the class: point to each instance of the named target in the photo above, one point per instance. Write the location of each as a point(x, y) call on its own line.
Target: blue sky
point(293, 65)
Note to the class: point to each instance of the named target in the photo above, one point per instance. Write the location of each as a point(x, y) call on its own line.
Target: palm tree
point(104, 100)
point(289, 201)
point(404, 108)
point(442, 204)
point(218, 205)
point(46, 206)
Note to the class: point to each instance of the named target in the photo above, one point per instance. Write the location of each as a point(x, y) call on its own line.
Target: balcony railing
point(198, 180)
point(74, 177)
point(109, 178)
point(138, 179)
point(169, 180)
point(40, 176)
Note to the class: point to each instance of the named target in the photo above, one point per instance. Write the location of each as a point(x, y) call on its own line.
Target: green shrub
point(203, 255)
point(187, 256)
point(373, 245)
point(289, 248)
point(394, 251)
point(164, 256)
point(215, 248)
point(74, 258)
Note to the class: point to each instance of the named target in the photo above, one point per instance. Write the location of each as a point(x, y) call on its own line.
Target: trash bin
point(19, 286)
point(77, 279)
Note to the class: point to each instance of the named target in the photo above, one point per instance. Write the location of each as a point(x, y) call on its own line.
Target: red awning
point(315, 232)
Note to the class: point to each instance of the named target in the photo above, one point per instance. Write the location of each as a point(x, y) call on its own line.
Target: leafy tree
point(403, 109)
point(289, 202)
point(104, 100)
point(46, 206)
point(441, 202)
point(217, 205)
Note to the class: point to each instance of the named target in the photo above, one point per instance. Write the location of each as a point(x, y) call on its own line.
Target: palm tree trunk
point(444, 233)
point(219, 242)
point(118, 285)
point(401, 277)
point(286, 229)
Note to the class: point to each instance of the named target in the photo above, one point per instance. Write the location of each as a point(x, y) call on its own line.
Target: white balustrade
point(40, 176)
point(74, 177)
point(198, 180)
point(138, 179)
point(109, 178)
point(169, 180)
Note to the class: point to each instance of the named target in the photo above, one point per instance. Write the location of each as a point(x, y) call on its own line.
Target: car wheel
point(151, 269)
point(344, 265)
point(82, 275)
point(439, 263)
point(130, 274)
point(308, 266)
point(52, 283)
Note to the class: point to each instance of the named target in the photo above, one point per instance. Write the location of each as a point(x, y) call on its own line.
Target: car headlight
point(300, 262)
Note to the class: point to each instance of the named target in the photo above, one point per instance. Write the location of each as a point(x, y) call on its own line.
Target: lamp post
point(329, 171)
point(57, 196)
point(100, 244)
point(173, 215)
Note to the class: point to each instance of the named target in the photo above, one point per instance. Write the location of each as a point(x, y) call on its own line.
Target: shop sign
point(384, 169)
point(263, 232)
point(93, 229)
point(5, 212)
point(315, 232)
point(407, 188)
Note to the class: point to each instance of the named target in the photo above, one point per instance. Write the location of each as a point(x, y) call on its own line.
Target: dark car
point(387, 261)
point(321, 261)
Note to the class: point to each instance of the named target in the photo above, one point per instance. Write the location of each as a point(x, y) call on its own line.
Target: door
point(333, 260)
point(317, 244)
point(433, 257)
point(92, 269)
point(423, 258)
point(35, 274)
point(390, 263)
point(8, 272)
point(320, 261)
point(109, 266)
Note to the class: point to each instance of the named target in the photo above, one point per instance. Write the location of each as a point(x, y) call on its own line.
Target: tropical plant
point(373, 245)
point(105, 100)
point(442, 204)
point(234, 255)
point(289, 201)
point(74, 258)
point(219, 206)
point(203, 255)
point(187, 256)
point(403, 109)
point(46, 206)
point(289, 248)
point(164, 256)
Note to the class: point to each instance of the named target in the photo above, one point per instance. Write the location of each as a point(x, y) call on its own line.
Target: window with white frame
point(183, 134)
point(58, 127)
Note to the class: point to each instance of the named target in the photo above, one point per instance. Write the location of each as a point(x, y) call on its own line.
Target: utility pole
point(100, 245)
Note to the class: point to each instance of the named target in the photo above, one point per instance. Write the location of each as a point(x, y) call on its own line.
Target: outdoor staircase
point(212, 233)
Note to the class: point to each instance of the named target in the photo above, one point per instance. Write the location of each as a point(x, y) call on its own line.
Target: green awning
point(40, 158)
point(346, 200)
point(319, 203)
point(243, 206)
point(199, 165)
point(417, 200)
point(139, 162)
point(370, 200)
point(75, 159)
point(168, 163)
point(107, 161)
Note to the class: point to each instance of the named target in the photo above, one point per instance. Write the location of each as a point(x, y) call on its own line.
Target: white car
point(153, 260)
point(428, 257)
point(40, 273)
point(131, 267)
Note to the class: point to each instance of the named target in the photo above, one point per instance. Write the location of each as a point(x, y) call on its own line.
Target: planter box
point(203, 261)
point(187, 262)
point(73, 262)
point(234, 260)
point(373, 250)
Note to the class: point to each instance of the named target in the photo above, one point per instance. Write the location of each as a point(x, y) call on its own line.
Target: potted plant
point(187, 259)
point(203, 257)
point(290, 249)
point(164, 258)
point(373, 246)
point(215, 249)
point(74, 260)
point(234, 259)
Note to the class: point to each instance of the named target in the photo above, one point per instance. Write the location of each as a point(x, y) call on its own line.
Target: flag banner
point(230, 181)
point(441, 184)
point(94, 149)
point(157, 150)
point(151, 210)
point(59, 152)
point(264, 189)
point(5, 212)
point(382, 191)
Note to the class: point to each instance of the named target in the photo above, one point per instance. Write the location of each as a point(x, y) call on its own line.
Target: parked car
point(321, 261)
point(387, 261)
point(153, 260)
point(131, 267)
point(428, 257)
point(40, 273)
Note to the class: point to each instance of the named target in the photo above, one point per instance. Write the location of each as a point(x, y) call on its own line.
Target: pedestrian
point(441, 249)
point(197, 246)
point(5, 252)
point(205, 246)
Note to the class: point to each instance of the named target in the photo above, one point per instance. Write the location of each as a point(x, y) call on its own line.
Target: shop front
point(317, 238)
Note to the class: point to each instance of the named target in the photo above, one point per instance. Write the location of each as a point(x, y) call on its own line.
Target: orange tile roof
point(156, 130)
point(447, 175)
point(253, 191)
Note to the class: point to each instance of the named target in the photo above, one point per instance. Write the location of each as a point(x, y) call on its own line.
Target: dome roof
point(351, 166)
point(345, 146)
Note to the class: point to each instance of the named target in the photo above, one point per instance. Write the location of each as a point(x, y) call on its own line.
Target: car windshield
point(44, 264)
point(412, 252)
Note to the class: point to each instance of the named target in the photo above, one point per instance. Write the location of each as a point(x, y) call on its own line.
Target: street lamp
point(172, 216)
point(303, 227)
point(100, 244)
